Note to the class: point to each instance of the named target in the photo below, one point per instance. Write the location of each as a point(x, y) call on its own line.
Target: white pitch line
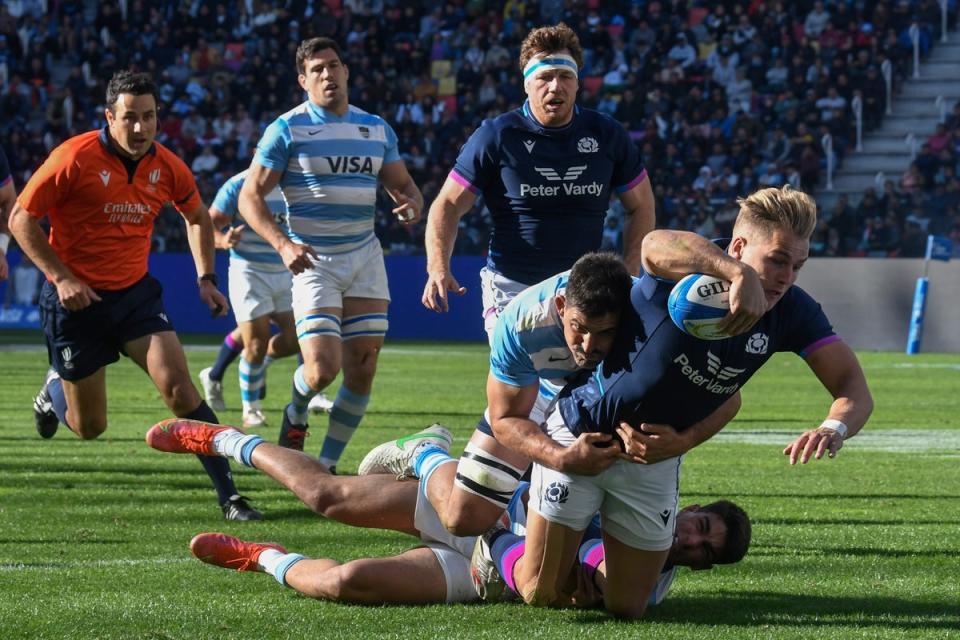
point(945, 441)
point(90, 564)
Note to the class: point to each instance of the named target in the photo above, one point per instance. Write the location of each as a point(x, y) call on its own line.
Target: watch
point(210, 277)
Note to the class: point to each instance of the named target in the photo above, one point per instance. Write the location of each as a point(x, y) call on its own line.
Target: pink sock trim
point(593, 559)
point(510, 559)
point(232, 344)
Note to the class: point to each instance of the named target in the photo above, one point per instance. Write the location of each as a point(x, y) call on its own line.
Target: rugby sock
point(427, 460)
point(216, 467)
point(267, 361)
point(55, 389)
point(506, 549)
point(277, 563)
point(229, 351)
point(345, 417)
point(591, 555)
point(252, 377)
point(237, 445)
point(299, 399)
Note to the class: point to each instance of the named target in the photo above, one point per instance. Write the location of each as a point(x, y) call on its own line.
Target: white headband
point(551, 61)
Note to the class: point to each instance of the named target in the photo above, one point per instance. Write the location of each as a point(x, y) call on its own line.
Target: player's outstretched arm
point(259, 182)
point(404, 192)
point(74, 294)
point(200, 238)
point(839, 371)
point(639, 220)
point(656, 442)
point(674, 254)
point(451, 204)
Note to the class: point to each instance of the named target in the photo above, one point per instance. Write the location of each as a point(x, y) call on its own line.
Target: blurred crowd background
point(721, 97)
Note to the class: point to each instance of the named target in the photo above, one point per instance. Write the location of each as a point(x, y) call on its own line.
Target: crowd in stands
point(721, 96)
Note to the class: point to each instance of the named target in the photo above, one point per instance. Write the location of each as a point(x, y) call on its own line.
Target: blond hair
point(551, 40)
point(777, 208)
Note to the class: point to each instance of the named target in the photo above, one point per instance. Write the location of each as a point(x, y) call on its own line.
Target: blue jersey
point(330, 166)
point(252, 248)
point(658, 374)
point(528, 343)
point(548, 190)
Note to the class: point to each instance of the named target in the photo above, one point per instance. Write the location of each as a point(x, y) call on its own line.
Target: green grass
point(93, 535)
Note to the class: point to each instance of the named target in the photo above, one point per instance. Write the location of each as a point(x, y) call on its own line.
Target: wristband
point(4, 242)
point(835, 425)
point(210, 277)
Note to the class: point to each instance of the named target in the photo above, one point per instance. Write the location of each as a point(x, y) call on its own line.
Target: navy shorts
point(79, 343)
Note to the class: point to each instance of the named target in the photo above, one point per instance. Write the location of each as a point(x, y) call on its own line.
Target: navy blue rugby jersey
point(548, 189)
point(656, 373)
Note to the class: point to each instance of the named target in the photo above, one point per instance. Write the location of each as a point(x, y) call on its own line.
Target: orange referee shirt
point(102, 206)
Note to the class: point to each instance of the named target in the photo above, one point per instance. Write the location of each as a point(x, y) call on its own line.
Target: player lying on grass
point(656, 373)
point(439, 570)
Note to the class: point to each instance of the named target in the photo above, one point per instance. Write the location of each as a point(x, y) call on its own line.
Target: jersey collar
point(528, 114)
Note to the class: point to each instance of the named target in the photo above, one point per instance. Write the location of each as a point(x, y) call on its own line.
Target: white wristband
point(835, 425)
point(4, 242)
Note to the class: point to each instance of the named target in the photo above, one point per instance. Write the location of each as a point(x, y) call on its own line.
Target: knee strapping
point(368, 324)
point(318, 324)
point(487, 476)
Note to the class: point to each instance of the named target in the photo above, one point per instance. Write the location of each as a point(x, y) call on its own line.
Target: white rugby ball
point(697, 303)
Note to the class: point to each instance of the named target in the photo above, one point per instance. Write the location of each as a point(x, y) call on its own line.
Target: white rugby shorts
point(335, 276)
point(496, 293)
point(637, 502)
point(452, 552)
point(255, 293)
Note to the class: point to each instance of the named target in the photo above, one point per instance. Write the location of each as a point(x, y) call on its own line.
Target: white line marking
point(945, 441)
point(89, 564)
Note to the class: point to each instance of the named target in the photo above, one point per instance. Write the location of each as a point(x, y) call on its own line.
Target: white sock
point(269, 560)
point(229, 444)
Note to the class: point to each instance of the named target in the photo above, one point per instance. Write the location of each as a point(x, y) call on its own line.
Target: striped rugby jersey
point(528, 342)
point(330, 166)
point(252, 249)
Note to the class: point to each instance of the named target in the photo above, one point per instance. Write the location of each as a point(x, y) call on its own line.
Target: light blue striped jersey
point(330, 166)
point(252, 248)
point(528, 343)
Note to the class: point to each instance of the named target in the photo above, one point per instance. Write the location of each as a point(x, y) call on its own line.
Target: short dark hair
point(311, 47)
point(126, 81)
point(598, 284)
point(738, 530)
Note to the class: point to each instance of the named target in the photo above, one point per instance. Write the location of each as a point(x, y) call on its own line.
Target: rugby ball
point(697, 303)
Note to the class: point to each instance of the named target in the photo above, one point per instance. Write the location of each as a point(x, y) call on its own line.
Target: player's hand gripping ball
point(697, 303)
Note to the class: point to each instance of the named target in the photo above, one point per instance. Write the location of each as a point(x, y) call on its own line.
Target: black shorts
point(79, 343)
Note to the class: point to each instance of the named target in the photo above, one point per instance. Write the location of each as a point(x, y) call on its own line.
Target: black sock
point(216, 467)
point(227, 354)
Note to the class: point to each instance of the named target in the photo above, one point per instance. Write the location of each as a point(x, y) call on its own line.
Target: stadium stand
point(722, 97)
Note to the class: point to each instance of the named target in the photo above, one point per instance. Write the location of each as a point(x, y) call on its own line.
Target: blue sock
point(55, 389)
point(427, 460)
point(506, 549)
point(345, 417)
point(229, 351)
point(216, 467)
